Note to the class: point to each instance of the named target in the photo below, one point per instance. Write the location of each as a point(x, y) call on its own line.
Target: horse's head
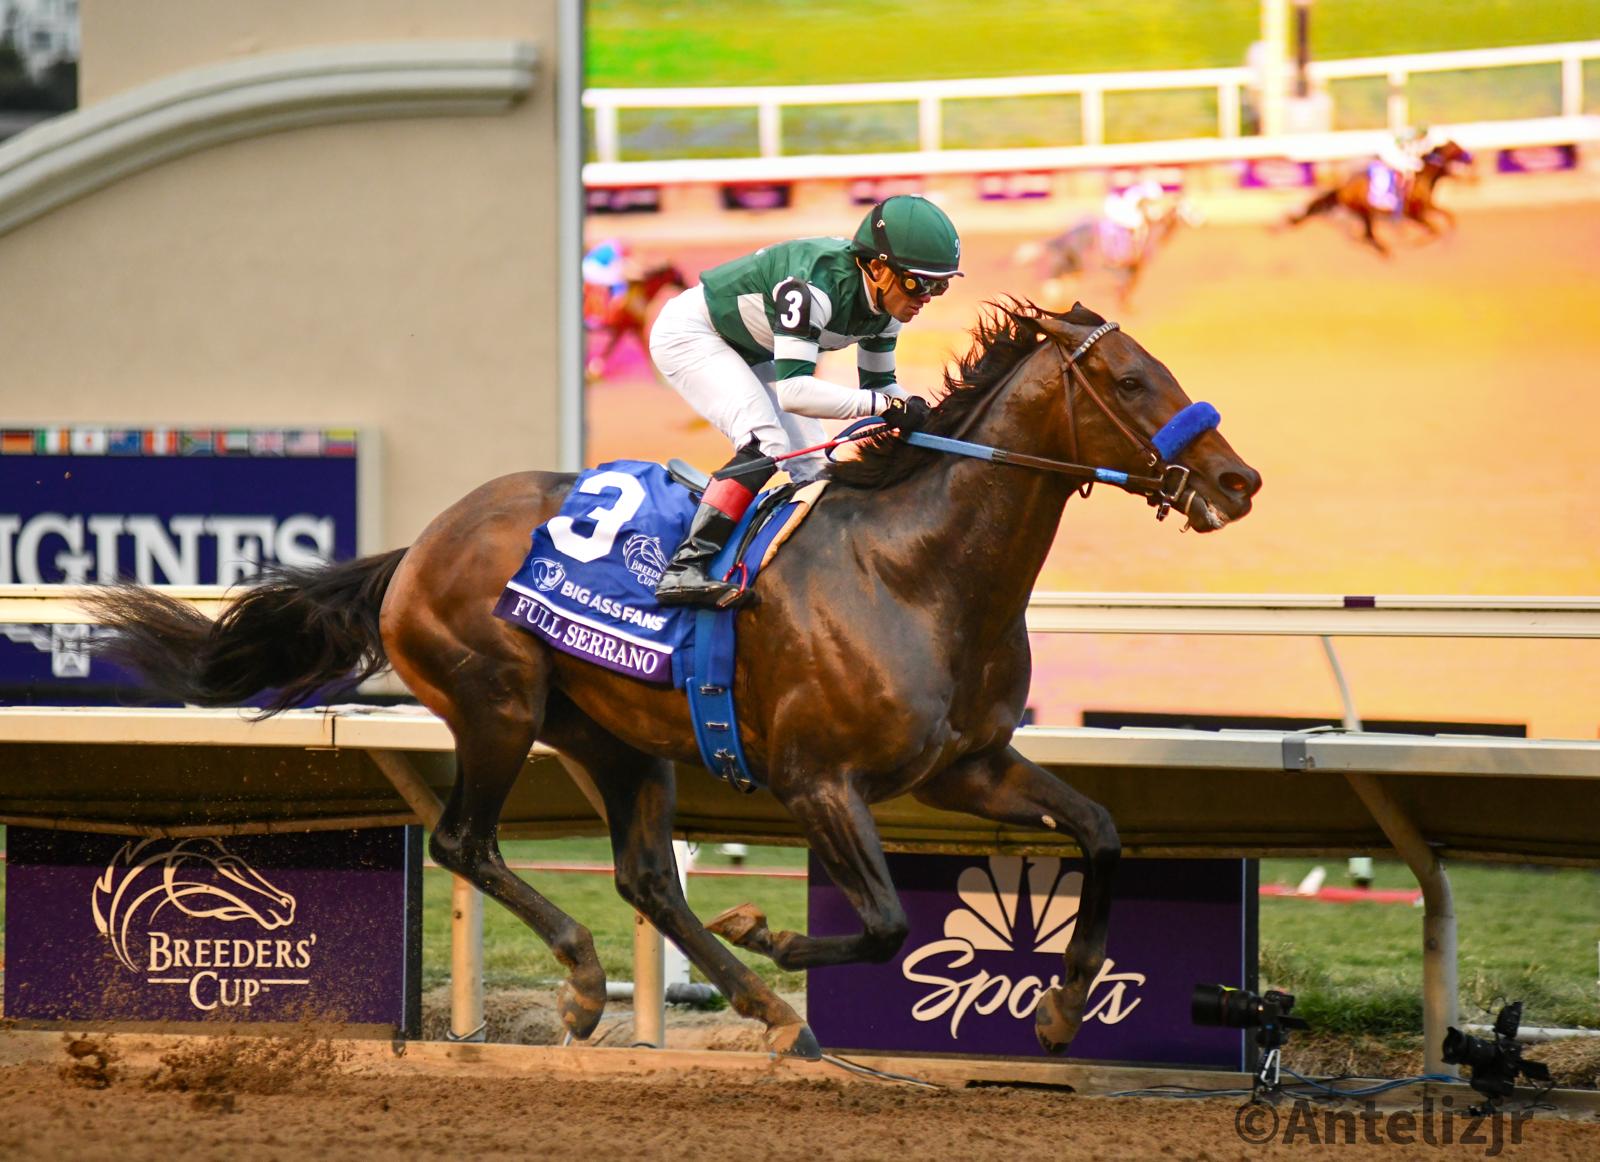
point(1117, 406)
point(657, 278)
point(205, 879)
point(1447, 158)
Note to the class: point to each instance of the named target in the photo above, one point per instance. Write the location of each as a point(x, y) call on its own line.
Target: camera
point(1268, 1014)
point(1494, 1064)
point(1231, 1008)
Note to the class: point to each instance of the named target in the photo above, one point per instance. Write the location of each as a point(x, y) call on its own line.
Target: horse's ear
point(1083, 315)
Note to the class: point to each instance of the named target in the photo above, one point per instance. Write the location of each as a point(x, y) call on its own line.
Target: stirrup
point(700, 589)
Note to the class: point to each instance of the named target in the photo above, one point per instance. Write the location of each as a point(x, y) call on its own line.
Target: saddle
point(587, 587)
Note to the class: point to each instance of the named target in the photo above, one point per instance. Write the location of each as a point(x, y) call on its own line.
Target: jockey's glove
point(906, 415)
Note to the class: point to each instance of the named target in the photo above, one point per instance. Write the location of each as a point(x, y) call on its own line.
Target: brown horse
point(1417, 205)
point(887, 655)
point(1084, 247)
point(626, 313)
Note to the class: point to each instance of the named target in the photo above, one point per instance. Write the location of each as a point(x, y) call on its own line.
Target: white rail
point(1299, 614)
point(1090, 88)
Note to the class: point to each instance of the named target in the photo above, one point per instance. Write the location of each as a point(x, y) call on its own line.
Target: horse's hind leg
point(495, 718)
point(1009, 789)
point(1319, 205)
point(640, 793)
point(842, 835)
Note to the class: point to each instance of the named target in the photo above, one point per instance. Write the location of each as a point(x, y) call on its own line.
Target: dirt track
point(223, 1101)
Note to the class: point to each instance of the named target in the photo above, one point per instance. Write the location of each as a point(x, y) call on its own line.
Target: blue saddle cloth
point(587, 588)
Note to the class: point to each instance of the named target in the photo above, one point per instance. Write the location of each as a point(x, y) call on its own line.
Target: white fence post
point(1094, 117)
point(930, 130)
point(1571, 86)
point(1228, 119)
point(1399, 103)
point(605, 132)
point(769, 128)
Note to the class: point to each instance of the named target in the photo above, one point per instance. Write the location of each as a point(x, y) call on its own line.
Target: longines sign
point(321, 926)
point(987, 936)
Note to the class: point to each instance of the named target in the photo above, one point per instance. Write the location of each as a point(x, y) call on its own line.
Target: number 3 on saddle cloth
point(587, 588)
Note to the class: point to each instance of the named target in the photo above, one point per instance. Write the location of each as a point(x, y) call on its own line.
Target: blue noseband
point(1184, 429)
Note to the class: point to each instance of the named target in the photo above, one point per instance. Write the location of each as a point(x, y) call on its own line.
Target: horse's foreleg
point(1370, 233)
point(639, 794)
point(1008, 788)
point(842, 835)
point(495, 724)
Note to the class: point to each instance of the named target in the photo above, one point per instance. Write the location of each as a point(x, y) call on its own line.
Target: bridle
point(1165, 483)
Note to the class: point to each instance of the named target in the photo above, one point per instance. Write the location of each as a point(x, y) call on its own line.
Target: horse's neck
point(985, 529)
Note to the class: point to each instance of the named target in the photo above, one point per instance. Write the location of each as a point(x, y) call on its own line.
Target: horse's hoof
point(1053, 1026)
point(580, 1013)
point(797, 1041)
point(738, 924)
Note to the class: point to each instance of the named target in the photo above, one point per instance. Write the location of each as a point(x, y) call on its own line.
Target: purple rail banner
point(322, 926)
point(162, 506)
point(987, 936)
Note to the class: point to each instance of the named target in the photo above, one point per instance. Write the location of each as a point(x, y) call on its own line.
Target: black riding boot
point(687, 580)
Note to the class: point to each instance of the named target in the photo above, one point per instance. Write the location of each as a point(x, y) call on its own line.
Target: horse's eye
point(1129, 386)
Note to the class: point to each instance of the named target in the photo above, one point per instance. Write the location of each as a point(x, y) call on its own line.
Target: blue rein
point(1182, 430)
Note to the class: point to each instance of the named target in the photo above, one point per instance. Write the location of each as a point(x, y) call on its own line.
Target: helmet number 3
point(794, 306)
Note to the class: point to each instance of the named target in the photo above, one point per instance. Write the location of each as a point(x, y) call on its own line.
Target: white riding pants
point(738, 400)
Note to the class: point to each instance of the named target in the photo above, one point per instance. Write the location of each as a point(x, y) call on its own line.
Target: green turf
point(634, 43)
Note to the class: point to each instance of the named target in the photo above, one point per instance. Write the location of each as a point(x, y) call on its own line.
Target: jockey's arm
point(802, 392)
point(799, 316)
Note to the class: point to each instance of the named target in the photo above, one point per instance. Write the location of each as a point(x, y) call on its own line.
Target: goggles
point(917, 285)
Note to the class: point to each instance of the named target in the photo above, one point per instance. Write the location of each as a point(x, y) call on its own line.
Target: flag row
point(78, 440)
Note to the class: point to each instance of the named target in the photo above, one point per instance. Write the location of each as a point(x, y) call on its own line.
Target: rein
point(1163, 489)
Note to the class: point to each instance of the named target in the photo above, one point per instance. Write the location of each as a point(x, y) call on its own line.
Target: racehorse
point(625, 314)
point(887, 654)
point(1354, 194)
point(1097, 242)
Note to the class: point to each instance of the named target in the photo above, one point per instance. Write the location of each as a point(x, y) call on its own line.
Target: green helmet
point(911, 234)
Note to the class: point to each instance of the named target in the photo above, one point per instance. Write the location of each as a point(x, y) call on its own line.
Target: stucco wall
point(398, 275)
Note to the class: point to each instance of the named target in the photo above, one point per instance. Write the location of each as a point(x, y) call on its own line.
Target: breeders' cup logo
point(158, 881)
point(547, 574)
point(644, 559)
point(1011, 904)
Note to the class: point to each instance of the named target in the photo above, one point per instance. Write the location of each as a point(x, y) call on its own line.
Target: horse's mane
point(1006, 334)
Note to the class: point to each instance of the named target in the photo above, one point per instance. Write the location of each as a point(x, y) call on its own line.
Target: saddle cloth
point(1384, 188)
point(587, 586)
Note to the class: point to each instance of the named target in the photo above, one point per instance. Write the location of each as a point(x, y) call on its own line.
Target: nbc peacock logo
point(197, 884)
point(1007, 906)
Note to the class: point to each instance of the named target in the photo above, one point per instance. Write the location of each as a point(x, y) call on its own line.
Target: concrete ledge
point(75, 154)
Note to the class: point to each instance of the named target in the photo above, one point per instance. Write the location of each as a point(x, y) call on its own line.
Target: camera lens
point(1215, 1004)
point(1461, 1049)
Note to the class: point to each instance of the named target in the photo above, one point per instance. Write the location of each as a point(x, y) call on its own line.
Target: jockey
point(604, 277)
point(1398, 161)
point(1128, 212)
point(742, 349)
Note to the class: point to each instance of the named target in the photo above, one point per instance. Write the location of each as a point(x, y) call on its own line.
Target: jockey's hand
point(906, 415)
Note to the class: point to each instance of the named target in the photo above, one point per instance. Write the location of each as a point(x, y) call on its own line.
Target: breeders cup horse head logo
point(196, 877)
point(1010, 905)
point(547, 574)
point(644, 559)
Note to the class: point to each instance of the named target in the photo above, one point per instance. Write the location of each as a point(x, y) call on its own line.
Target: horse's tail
point(296, 631)
point(1319, 205)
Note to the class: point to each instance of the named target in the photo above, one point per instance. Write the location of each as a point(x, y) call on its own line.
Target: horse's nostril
point(1239, 483)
